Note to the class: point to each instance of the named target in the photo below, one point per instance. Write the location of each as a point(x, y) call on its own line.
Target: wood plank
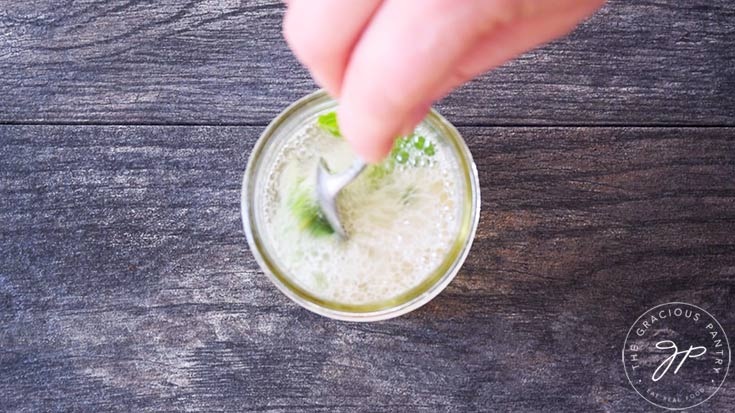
point(126, 282)
point(646, 62)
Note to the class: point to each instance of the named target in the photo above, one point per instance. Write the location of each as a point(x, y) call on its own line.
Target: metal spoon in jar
point(329, 185)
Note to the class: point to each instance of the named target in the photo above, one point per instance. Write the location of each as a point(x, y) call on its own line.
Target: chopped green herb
point(401, 157)
point(376, 172)
point(307, 213)
point(419, 142)
point(411, 150)
point(328, 122)
point(430, 150)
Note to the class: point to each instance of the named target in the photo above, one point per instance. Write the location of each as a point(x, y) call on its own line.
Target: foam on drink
point(401, 223)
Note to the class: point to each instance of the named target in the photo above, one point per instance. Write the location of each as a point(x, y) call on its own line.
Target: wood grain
point(644, 62)
point(126, 283)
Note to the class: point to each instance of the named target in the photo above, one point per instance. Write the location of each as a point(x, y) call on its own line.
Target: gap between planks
point(456, 124)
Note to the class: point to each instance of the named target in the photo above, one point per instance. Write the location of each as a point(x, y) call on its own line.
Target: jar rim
point(402, 304)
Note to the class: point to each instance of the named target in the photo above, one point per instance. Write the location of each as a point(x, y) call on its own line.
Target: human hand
point(387, 61)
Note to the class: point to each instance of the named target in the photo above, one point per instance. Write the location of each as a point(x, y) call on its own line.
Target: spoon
point(328, 186)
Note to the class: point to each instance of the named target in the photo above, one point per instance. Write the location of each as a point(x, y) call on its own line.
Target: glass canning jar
point(285, 125)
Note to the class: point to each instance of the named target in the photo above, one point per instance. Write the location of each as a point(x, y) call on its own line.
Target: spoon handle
point(333, 183)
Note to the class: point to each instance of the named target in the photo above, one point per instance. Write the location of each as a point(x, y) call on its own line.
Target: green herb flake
point(401, 157)
point(328, 122)
point(307, 213)
point(412, 150)
point(378, 171)
point(419, 142)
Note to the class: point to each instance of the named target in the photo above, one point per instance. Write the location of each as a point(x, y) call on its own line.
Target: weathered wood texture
point(126, 283)
point(125, 279)
point(646, 62)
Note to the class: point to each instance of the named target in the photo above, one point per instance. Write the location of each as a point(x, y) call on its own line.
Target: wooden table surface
point(607, 166)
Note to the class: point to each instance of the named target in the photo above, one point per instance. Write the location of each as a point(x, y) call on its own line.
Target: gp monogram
point(676, 356)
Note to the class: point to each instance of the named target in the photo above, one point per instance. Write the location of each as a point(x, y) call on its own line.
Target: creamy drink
point(410, 220)
point(401, 216)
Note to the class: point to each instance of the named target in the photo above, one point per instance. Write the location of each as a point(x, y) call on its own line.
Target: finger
point(414, 117)
point(401, 61)
point(491, 51)
point(507, 11)
point(400, 58)
point(322, 34)
point(511, 40)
